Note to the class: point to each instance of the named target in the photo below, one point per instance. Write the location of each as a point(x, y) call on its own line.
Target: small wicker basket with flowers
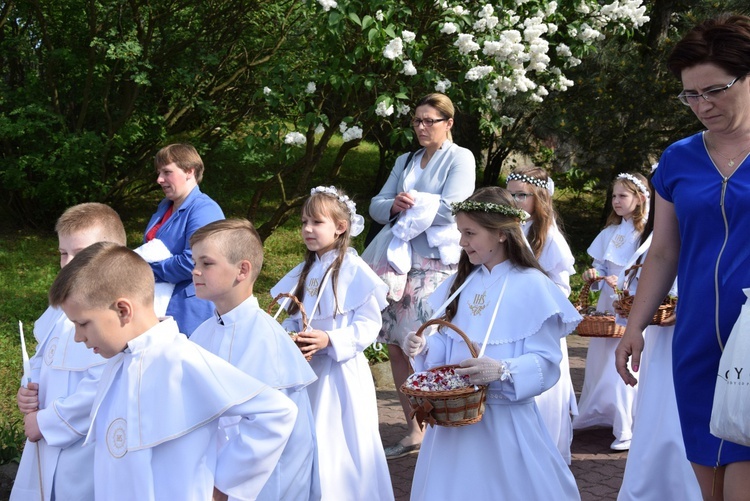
point(665, 310)
point(595, 323)
point(293, 335)
point(441, 397)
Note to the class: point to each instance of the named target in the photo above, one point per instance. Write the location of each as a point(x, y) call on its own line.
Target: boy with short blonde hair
point(228, 256)
point(57, 402)
point(155, 416)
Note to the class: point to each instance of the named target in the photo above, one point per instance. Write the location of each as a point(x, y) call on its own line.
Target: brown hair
point(544, 211)
point(516, 249)
point(102, 273)
point(723, 41)
point(641, 210)
point(92, 216)
point(238, 240)
point(185, 156)
point(442, 104)
point(323, 204)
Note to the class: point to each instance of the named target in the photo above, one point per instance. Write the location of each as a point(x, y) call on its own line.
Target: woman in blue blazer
point(441, 168)
point(183, 210)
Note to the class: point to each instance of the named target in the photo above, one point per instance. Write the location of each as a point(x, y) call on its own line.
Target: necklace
point(730, 162)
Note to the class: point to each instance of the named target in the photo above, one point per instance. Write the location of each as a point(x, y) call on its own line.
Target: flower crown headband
point(505, 210)
point(637, 182)
point(548, 184)
point(357, 222)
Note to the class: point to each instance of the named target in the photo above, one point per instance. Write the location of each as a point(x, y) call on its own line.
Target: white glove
point(413, 344)
point(484, 370)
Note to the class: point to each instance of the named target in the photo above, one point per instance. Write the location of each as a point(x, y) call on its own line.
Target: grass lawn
point(29, 261)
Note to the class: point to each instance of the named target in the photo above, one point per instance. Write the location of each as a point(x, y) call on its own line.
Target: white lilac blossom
point(379, 15)
point(466, 44)
point(563, 50)
point(478, 72)
point(506, 121)
point(402, 110)
point(295, 139)
point(442, 85)
point(394, 49)
point(342, 127)
point(409, 69)
point(352, 133)
point(459, 9)
point(328, 4)
point(320, 129)
point(449, 28)
point(310, 89)
point(408, 36)
point(266, 91)
point(383, 110)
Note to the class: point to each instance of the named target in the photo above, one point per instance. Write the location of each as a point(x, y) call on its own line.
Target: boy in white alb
point(57, 402)
point(228, 257)
point(155, 417)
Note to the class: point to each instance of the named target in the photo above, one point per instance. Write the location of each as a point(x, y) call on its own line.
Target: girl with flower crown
point(343, 299)
point(532, 189)
point(508, 454)
point(605, 401)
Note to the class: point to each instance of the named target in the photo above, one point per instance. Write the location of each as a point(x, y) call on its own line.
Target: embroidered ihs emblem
point(478, 305)
point(313, 285)
point(117, 442)
point(618, 240)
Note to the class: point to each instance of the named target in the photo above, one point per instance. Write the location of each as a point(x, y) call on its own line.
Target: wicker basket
point(666, 308)
point(595, 325)
point(457, 407)
point(301, 307)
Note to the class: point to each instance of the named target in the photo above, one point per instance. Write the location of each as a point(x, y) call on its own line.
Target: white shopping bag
point(729, 415)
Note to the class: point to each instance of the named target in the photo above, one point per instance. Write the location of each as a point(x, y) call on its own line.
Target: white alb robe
point(251, 340)
point(155, 423)
point(657, 467)
point(67, 373)
point(558, 404)
point(508, 454)
point(350, 451)
point(605, 399)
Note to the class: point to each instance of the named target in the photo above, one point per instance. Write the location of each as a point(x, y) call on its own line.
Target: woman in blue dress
point(183, 210)
point(701, 229)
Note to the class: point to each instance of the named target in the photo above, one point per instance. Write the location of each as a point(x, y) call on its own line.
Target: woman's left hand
point(314, 341)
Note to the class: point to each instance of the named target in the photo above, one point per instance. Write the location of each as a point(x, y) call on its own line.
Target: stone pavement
point(597, 469)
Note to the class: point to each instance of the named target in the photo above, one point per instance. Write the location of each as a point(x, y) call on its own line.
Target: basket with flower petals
point(293, 335)
point(441, 397)
point(665, 310)
point(595, 323)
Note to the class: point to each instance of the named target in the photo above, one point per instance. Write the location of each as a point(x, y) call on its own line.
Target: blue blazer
point(451, 173)
point(198, 210)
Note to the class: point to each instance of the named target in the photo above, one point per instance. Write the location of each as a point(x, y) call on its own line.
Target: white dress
point(350, 451)
point(508, 454)
point(67, 373)
point(155, 423)
point(251, 340)
point(657, 467)
point(605, 399)
point(558, 404)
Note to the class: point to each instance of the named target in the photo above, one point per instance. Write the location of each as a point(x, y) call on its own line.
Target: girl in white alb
point(605, 399)
point(657, 467)
point(532, 189)
point(508, 454)
point(342, 298)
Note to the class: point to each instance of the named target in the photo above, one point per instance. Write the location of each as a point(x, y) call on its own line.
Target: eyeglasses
point(428, 122)
point(521, 196)
point(709, 95)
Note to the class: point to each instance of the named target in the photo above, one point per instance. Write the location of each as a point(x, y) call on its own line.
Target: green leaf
point(355, 18)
